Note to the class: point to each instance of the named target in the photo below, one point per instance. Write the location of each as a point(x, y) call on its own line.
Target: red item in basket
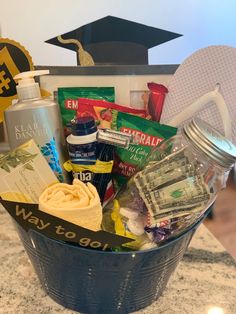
point(100, 110)
point(156, 100)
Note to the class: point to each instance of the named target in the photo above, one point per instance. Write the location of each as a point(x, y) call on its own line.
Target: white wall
point(202, 22)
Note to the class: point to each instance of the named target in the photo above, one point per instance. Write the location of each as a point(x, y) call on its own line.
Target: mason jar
point(208, 151)
point(178, 183)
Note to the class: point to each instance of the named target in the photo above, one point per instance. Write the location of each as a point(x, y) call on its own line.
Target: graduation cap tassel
point(85, 59)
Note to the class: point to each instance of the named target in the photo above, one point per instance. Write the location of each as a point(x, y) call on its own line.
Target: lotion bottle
point(39, 118)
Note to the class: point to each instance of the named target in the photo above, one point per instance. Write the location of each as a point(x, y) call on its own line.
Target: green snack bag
point(68, 100)
point(147, 133)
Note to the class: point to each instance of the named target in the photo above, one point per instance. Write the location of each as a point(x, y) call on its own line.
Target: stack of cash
point(173, 187)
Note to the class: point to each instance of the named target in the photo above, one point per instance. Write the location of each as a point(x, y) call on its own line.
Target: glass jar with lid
point(178, 183)
point(207, 153)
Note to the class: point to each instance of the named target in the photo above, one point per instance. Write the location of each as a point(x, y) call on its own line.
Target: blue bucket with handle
point(100, 282)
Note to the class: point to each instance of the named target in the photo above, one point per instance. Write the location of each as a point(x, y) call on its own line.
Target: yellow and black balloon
point(14, 58)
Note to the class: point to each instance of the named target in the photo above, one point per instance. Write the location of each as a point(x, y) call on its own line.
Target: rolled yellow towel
point(78, 203)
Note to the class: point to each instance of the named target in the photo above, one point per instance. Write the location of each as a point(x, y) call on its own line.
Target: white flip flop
point(204, 85)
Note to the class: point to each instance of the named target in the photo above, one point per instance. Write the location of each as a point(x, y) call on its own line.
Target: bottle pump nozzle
point(27, 88)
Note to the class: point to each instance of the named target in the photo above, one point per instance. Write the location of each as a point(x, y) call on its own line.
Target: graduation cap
point(112, 40)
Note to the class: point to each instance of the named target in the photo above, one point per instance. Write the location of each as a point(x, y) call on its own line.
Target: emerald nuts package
point(147, 133)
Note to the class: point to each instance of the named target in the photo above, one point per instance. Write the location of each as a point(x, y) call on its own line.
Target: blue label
point(50, 152)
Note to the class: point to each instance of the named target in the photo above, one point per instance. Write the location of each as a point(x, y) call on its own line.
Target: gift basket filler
point(106, 205)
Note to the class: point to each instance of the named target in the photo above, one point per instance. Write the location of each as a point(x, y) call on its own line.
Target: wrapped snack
point(156, 100)
point(148, 134)
point(179, 182)
point(101, 111)
point(78, 203)
point(68, 100)
point(125, 222)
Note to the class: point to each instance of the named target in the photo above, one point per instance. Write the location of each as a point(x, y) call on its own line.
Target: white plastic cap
point(27, 88)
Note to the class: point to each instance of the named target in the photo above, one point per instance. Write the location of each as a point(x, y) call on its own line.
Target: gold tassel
point(85, 59)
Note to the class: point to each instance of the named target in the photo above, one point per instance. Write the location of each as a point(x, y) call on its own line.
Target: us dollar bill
point(183, 189)
point(167, 163)
point(179, 195)
point(193, 212)
point(155, 209)
point(153, 180)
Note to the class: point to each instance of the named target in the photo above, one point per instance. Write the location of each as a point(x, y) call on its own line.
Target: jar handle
point(213, 96)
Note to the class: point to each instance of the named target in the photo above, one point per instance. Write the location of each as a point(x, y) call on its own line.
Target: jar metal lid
point(211, 142)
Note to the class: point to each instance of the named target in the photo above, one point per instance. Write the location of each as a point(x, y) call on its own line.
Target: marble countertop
point(204, 279)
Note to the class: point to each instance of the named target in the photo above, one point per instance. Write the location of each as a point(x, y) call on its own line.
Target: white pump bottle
point(27, 88)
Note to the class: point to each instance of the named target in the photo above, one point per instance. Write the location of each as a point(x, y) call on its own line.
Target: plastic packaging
point(24, 174)
point(147, 133)
point(156, 100)
point(101, 111)
point(38, 118)
point(180, 180)
point(68, 99)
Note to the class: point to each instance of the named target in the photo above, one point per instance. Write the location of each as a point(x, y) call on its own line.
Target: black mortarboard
point(112, 40)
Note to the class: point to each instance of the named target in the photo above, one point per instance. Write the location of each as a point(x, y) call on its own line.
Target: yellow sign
point(14, 58)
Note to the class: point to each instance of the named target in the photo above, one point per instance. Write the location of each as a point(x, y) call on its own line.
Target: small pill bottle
point(82, 148)
point(82, 143)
